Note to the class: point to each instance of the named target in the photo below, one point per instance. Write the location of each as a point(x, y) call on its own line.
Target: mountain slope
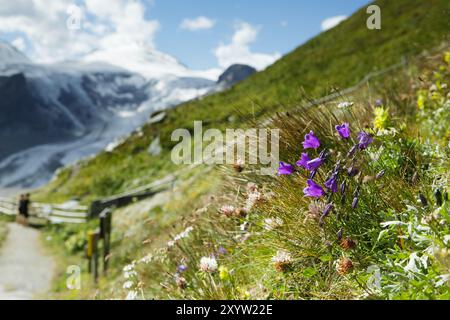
point(339, 57)
point(53, 115)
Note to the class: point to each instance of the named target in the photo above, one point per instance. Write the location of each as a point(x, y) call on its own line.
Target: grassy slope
point(337, 58)
point(144, 228)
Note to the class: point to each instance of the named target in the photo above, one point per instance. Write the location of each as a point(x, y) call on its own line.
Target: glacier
point(84, 106)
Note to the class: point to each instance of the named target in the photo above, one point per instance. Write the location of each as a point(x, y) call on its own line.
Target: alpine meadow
point(337, 190)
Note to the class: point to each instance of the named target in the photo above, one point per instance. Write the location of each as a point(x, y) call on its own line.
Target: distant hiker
point(26, 205)
point(21, 204)
point(24, 202)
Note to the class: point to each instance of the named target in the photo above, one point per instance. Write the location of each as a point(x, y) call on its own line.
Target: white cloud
point(332, 22)
point(199, 23)
point(19, 43)
point(238, 51)
point(104, 23)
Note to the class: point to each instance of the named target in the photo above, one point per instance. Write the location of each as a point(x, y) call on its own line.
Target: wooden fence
point(102, 235)
point(126, 198)
point(44, 212)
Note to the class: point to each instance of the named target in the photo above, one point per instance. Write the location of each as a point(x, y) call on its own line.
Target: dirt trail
point(25, 270)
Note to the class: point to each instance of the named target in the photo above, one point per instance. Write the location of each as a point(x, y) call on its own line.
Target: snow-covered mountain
point(9, 54)
point(145, 60)
point(53, 115)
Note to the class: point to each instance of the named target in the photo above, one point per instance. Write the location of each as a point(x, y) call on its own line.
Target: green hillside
point(221, 233)
point(337, 58)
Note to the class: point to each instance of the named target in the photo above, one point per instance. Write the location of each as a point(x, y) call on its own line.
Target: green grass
point(337, 58)
point(137, 230)
point(411, 253)
point(413, 165)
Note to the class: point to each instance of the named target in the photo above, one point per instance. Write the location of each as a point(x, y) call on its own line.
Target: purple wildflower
point(314, 164)
point(364, 139)
point(331, 183)
point(343, 130)
point(285, 168)
point(325, 213)
point(309, 164)
point(313, 190)
point(303, 162)
point(311, 141)
point(181, 268)
point(378, 102)
point(222, 251)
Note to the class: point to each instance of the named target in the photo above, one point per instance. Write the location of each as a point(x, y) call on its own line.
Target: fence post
point(92, 253)
point(105, 234)
point(90, 249)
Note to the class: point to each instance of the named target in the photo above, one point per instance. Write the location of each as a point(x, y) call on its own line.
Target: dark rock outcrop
point(234, 74)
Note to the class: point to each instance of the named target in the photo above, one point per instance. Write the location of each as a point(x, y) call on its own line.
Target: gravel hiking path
point(25, 270)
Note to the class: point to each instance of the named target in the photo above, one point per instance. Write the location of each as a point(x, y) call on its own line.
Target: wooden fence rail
point(49, 212)
point(126, 198)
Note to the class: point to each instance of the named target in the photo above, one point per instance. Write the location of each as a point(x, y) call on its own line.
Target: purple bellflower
point(331, 183)
point(364, 139)
point(343, 130)
point(313, 190)
point(285, 169)
point(311, 141)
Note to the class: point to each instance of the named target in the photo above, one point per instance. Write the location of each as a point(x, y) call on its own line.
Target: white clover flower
point(208, 264)
point(252, 199)
point(171, 243)
point(271, 224)
point(252, 187)
point(128, 284)
point(130, 274)
point(129, 267)
point(227, 210)
point(282, 257)
point(345, 104)
point(183, 234)
point(180, 236)
point(147, 259)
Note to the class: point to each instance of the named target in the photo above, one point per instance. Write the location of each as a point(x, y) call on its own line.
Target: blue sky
point(303, 20)
point(202, 34)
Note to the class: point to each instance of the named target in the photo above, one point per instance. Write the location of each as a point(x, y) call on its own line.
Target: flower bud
point(343, 187)
point(352, 151)
point(380, 174)
point(352, 171)
point(355, 202)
